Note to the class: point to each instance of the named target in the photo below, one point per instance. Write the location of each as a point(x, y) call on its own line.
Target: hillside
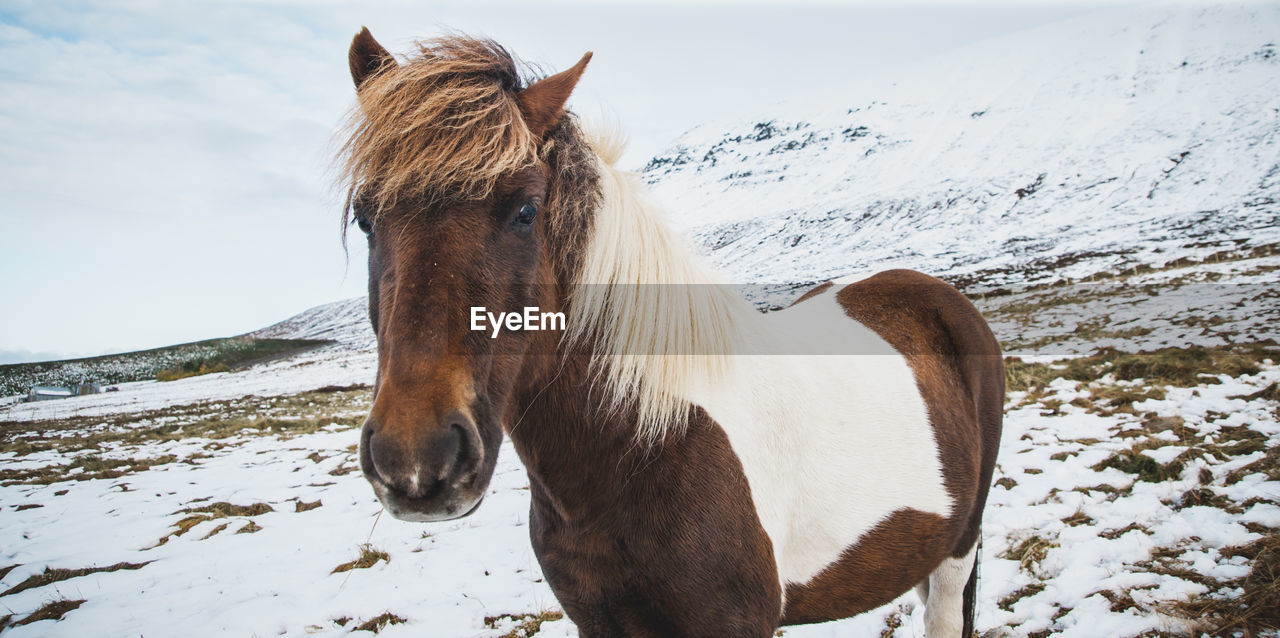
point(1127, 137)
point(345, 323)
point(231, 352)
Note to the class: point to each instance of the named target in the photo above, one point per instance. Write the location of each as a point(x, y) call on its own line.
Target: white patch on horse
point(830, 444)
point(944, 608)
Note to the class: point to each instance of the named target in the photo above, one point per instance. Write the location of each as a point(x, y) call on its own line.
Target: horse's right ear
point(542, 102)
point(367, 57)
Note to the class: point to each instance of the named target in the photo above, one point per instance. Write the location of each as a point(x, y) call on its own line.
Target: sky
point(165, 168)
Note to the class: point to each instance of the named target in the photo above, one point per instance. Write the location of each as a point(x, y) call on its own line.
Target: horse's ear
point(543, 101)
point(367, 57)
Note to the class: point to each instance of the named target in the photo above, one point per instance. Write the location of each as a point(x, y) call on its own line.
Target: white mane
point(664, 324)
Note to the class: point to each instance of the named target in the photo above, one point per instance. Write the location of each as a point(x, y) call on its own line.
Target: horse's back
point(959, 374)
point(958, 367)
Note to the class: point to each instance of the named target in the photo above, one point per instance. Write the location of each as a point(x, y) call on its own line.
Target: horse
point(696, 467)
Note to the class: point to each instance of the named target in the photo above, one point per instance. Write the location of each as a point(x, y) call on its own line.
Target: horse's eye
point(365, 225)
point(527, 214)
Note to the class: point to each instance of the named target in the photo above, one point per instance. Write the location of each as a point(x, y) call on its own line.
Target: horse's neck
point(576, 448)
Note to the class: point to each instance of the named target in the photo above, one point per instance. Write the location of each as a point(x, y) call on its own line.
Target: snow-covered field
point(225, 502)
point(1134, 495)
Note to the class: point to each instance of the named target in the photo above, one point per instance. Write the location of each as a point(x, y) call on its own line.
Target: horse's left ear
point(366, 57)
point(543, 101)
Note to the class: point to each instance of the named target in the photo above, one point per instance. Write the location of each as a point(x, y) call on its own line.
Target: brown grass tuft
point(223, 509)
point(368, 558)
point(378, 623)
point(1007, 602)
point(54, 575)
point(527, 624)
point(1030, 552)
point(1133, 461)
point(53, 610)
point(1269, 465)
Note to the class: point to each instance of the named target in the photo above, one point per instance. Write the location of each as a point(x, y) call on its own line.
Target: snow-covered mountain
point(345, 322)
point(1122, 137)
point(1127, 136)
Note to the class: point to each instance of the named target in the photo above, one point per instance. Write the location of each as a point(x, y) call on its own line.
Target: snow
point(1102, 106)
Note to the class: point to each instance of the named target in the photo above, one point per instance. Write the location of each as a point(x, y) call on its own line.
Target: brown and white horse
point(696, 468)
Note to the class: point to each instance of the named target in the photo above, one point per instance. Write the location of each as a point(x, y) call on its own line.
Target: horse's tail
point(982, 367)
point(971, 592)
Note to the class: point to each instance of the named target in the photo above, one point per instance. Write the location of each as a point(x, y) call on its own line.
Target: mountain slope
point(1120, 138)
point(1090, 147)
point(345, 322)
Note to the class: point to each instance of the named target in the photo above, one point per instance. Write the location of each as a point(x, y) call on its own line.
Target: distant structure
point(51, 392)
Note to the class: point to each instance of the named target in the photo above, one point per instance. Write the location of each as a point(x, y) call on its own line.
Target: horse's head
point(449, 177)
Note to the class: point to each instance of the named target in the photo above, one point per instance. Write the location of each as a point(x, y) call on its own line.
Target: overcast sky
point(163, 165)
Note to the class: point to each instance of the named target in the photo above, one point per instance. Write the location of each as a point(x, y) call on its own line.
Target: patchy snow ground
point(1079, 534)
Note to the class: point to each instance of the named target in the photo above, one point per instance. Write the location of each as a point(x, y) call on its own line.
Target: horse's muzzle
point(436, 478)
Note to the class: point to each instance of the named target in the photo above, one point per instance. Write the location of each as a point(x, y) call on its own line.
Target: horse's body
point(696, 468)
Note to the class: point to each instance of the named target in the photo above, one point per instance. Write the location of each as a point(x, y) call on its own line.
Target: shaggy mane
point(661, 323)
point(442, 124)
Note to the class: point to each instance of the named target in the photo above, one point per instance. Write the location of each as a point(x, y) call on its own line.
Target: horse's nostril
point(470, 448)
point(425, 463)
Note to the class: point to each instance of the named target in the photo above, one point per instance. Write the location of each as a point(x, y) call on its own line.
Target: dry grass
point(369, 556)
point(527, 624)
point(1029, 552)
point(1133, 461)
point(1270, 393)
point(378, 623)
point(284, 416)
point(1269, 465)
point(215, 531)
point(54, 575)
point(223, 509)
point(891, 624)
point(1078, 518)
point(84, 468)
point(1205, 497)
point(212, 511)
point(1007, 602)
point(1255, 609)
point(52, 610)
point(1180, 367)
point(1113, 534)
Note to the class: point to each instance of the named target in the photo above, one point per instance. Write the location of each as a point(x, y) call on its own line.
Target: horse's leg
point(945, 614)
